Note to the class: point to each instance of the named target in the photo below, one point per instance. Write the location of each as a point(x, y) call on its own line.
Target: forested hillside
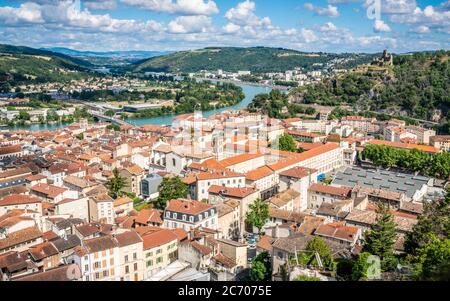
point(417, 85)
point(256, 59)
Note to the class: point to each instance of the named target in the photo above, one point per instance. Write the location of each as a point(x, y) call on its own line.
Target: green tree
point(318, 245)
point(23, 115)
point(258, 214)
point(380, 239)
point(110, 113)
point(361, 266)
point(287, 143)
point(261, 268)
point(434, 222)
point(434, 260)
point(170, 189)
point(115, 184)
point(306, 278)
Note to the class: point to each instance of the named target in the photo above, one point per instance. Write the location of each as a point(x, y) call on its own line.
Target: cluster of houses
point(58, 220)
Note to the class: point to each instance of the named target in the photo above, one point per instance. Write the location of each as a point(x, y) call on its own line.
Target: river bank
point(250, 92)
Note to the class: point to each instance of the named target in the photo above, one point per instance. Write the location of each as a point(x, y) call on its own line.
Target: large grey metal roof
point(407, 184)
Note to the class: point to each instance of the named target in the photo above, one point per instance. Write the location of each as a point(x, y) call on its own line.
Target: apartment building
point(190, 214)
point(98, 259)
point(131, 256)
point(160, 248)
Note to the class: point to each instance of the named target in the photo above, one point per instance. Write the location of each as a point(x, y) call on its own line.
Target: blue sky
point(322, 25)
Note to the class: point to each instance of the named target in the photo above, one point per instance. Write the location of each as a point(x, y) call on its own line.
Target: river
point(249, 91)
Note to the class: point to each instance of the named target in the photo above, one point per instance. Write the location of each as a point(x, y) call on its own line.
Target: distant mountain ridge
point(233, 59)
point(28, 65)
point(11, 49)
point(112, 54)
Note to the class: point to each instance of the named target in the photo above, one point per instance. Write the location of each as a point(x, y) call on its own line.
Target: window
point(184, 217)
point(174, 215)
point(206, 214)
point(97, 275)
point(96, 265)
point(105, 273)
point(174, 163)
point(149, 263)
point(127, 269)
point(126, 258)
point(134, 256)
point(159, 260)
point(135, 267)
point(191, 219)
point(86, 267)
point(159, 251)
point(167, 214)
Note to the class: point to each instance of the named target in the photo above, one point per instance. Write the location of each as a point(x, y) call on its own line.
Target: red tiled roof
point(298, 172)
point(187, 206)
point(232, 192)
point(158, 238)
point(326, 189)
point(18, 199)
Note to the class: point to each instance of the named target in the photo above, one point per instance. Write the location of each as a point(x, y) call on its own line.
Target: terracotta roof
point(225, 261)
point(122, 201)
point(187, 206)
point(146, 216)
point(10, 149)
point(265, 243)
point(338, 230)
point(49, 190)
point(232, 192)
point(158, 238)
point(298, 172)
point(286, 215)
point(128, 238)
point(42, 250)
point(239, 159)
point(20, 237)
point(18, 199)
point(63, 273)
point(98, 244)
point(204, 250)
point(331, 190)
point(259, 173)
point(180, 233)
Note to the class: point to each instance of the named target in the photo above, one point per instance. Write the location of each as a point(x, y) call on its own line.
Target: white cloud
point(25, 13)
point(231, 28)
point(67, 14)
point(308, 35)
point(244, 14)
point(100, 4)
point(330, 10)
point(328, 27)
point(190, 24)
point(187, 7)
point(380, 26)
point(421, 29)
point(437, 19)
point(309, 6)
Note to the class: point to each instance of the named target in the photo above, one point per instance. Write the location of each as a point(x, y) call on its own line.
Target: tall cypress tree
point(380, 239)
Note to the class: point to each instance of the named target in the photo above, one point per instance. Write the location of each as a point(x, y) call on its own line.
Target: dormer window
point(191, 219)
point(200, 217)
point(175, 216)
point(184, 217)
point(167, 214)
point(206, 214)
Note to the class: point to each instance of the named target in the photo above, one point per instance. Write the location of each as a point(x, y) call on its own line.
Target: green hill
point(418, 85)
point(231, 59)
point(27, 65)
